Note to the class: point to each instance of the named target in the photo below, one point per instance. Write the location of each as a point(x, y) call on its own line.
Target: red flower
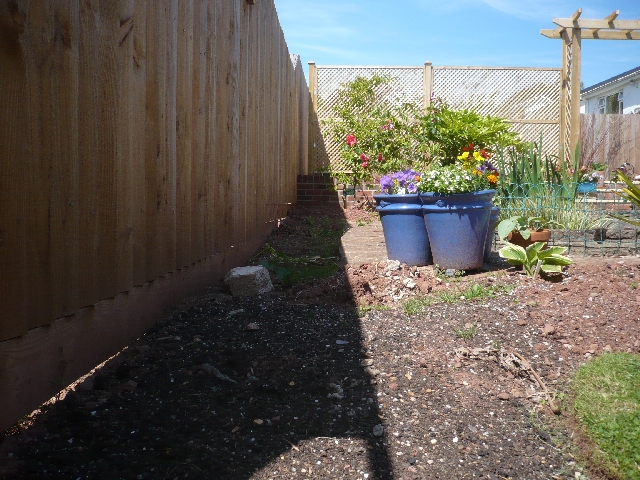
point(365, 164)
point(364, 158)
point(485, 154)
point(351, 140)
point(380, 158)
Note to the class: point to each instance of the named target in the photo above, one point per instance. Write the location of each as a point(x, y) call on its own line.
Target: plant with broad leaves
point(551, 260)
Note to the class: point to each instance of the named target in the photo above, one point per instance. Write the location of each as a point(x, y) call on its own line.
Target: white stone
point(248, 281)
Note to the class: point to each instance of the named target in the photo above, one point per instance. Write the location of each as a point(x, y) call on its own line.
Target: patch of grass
point(417, 305)
point(607, 406)
point(363, 309)
point(450, 296)
point(467, 333)
point(294, 270)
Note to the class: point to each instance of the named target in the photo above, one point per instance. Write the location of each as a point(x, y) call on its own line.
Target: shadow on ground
point(220, 388)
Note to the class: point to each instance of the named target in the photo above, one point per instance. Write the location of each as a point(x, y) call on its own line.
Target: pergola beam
point(596, 34)
point(599, 24)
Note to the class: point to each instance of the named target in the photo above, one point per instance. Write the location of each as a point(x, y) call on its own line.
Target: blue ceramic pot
point(493, 223)
point(405, 235)
point(457, 226)
point(587, 187)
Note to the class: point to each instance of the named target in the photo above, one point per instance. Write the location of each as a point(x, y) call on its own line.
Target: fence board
point(14, 132)
point(610, 139)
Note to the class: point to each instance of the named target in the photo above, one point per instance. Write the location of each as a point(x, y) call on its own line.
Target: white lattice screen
point(527, 97)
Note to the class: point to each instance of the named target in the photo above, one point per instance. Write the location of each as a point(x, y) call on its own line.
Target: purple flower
point(404, 179)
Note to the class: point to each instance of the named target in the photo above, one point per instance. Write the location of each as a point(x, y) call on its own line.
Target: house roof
point(608, 81)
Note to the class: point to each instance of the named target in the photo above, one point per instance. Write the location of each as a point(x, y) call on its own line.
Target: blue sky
point(451, 33)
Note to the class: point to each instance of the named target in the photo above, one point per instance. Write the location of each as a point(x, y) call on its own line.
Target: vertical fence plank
point(198, 120)
point(125, 149)
point(184, 135)
point(141, 142)
point(14, 133)
point(63, 144)
point(99, 30)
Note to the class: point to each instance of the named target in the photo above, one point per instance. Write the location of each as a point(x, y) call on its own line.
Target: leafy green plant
point(607, 406)
point(630, 194)
point(451, 130)
point(551, 260)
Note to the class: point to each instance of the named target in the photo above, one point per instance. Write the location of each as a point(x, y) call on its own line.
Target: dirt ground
point(301, 383)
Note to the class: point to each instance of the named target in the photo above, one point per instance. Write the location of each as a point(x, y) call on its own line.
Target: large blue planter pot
point(493, 223)
point(457, 227)
point(403, 227)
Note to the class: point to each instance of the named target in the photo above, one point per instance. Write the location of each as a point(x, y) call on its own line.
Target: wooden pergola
point(572, 31)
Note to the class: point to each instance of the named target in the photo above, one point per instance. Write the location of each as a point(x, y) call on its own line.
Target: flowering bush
point(402, 182)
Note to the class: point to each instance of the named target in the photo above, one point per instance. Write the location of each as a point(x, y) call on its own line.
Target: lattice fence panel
point(527, 97)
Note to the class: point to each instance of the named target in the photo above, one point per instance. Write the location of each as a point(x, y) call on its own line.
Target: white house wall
point(631, 96)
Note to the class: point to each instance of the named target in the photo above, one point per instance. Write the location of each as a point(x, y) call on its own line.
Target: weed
point(467, 333)
point(634, 285)
point(450, 296)
point(417, 305)
point(361, 222)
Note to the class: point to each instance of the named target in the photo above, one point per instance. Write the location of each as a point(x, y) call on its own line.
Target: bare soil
point(332, 379)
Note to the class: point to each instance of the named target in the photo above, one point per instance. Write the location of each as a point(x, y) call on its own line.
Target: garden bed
point(377, 371)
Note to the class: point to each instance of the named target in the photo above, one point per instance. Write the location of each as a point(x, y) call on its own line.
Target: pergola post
point(572, 30)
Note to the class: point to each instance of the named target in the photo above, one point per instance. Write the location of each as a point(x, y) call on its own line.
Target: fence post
point(313, 114)
point(427, 85)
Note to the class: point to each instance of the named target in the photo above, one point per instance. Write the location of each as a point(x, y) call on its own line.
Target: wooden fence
point(610, 139)
point(147, 146)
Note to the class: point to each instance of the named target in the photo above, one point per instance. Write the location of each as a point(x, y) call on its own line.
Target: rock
point(248, 281)
point(258, 421)
point(411, 460)
point(548, 329)
point(504, 396)
point(522, 323)
point(341, 342)
point(607, 348)
point(86, 385)
point(367, 362)
point(410, 284)
point(450, 272)
point(538, 347)
point(252, 327)
point(378, 430)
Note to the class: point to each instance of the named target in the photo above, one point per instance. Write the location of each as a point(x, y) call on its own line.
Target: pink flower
point(351, 140)
point(364, 158)
point(388, 126)
point(380, 158)
point(365, 164)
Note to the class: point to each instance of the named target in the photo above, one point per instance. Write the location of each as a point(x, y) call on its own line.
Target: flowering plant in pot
point(457, 205)
point(400, 212)
point(402, 182)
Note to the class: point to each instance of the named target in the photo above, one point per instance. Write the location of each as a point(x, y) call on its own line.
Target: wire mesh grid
point(580, 219)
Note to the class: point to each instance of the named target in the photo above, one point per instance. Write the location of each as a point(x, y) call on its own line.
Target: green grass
point(474, 291)
point(417, 305)
point(607, 406)
point(467, 333)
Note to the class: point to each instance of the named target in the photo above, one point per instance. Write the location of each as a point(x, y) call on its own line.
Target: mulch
point(301, 383)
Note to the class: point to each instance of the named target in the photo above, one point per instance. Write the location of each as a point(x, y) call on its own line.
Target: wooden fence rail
point(147, 145)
